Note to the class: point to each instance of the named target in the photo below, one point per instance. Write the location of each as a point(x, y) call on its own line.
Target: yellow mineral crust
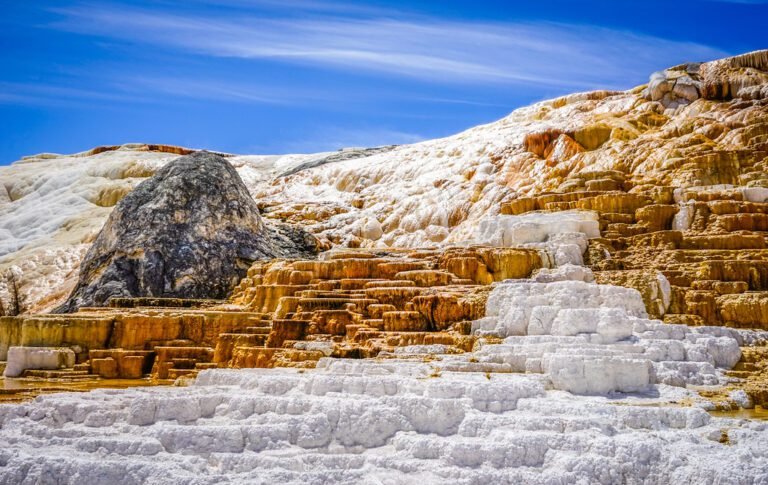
point(750, 376)
point(349, 304)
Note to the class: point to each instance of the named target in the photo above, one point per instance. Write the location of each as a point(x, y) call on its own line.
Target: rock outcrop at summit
point(741, 76)
point(190, 231)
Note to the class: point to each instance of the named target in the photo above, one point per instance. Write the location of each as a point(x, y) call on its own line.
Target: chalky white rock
point(20, 359)
point(583, 389)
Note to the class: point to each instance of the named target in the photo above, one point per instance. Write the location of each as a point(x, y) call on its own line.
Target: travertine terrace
point(647, 142)
point(352, 304)
point(560, 296)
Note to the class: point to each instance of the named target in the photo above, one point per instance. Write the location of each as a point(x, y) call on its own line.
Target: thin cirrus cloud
point(216, 90)
point(50, 94)
point(427, 49)
point(329, 138)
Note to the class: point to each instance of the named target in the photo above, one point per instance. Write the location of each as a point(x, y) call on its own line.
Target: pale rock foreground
point(500, 414)
point(372, 422)
point(42, 358)
point(597, 339)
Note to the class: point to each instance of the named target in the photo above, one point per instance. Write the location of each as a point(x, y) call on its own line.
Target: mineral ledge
point(558, 297)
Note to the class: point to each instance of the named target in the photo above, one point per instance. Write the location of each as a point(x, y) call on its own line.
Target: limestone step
point(58, 374)
point(374, 323)
point(163, 303)
point(184, 363)
point(741, 374)
point(169, 358)
point(184, 343)
point(174, 373)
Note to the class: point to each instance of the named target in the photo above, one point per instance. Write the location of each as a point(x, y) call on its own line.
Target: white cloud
point(339, 7)
point(48, 94)
point(208, 89)
point(329, 138)
point(430, 49)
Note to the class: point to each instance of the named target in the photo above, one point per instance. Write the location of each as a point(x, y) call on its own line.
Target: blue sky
point(282, 76)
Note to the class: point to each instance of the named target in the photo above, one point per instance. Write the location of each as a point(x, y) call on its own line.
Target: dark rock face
point(191, 231)
point(340, 156)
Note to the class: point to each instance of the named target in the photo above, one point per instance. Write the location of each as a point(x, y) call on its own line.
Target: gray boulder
point(190, 231)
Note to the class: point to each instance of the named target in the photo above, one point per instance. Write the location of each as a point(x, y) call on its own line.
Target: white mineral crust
point(582, 390)
point(40, 358)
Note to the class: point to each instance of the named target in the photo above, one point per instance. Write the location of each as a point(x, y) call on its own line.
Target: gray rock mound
point(190, 231)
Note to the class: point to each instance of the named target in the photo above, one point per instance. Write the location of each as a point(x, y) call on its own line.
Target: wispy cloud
point(301, 6)
point(47, 94)
point(331, 138)
point(426, 48)
point(215, 89)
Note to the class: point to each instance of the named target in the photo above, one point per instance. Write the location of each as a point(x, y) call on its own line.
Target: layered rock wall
point(662, 189)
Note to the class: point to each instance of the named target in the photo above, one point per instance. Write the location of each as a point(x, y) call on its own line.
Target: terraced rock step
point(750, 386)
point(346, 422)
point(358, 303)
point(698, 255)
point(163, 303)
point(366, 303)
point(351, 304)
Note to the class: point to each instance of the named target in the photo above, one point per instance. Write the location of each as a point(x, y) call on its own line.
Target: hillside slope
point(692, 126)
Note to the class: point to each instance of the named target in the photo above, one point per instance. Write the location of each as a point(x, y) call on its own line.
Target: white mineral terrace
point(583, 389)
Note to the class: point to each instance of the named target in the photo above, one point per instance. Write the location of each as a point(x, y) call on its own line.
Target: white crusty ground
point(596, 339)
point(373, 422)
point(561, 237)
point(533, 409)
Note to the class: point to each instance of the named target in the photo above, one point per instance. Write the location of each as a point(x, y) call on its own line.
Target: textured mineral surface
point(577, 293)
point(583, 388)
point(622, 152)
